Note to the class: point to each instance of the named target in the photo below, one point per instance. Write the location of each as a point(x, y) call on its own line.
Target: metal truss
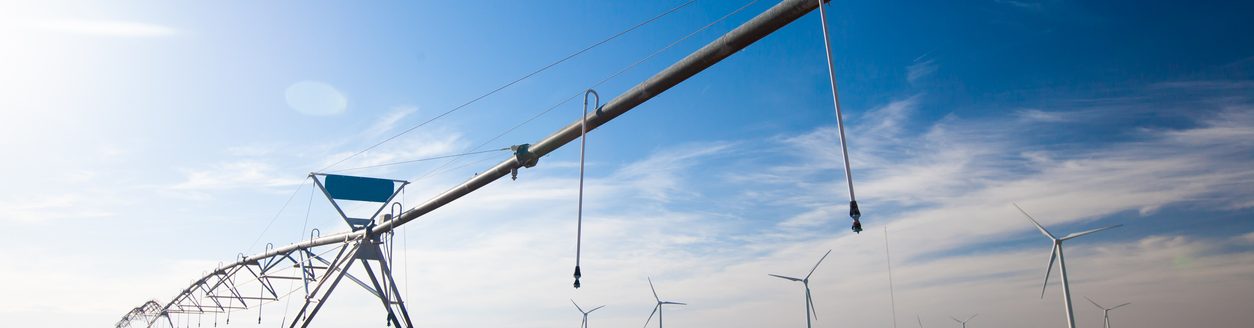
point(251, 284)
point(382, 285)
point(149, 312)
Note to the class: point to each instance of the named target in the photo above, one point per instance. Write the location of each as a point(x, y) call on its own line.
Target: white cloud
point(76, 205)
point(104, 28)
point(1028, 5)
point(920, 69)
point(945, 192)
point(388, 122)
point(315, 98)
point(416, 145)
point(1036, 115)
point(232, 175)
point(658, 177)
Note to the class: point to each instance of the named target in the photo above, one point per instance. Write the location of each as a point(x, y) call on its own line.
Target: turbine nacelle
point(1056, 254)
point(657, 309)
point(810, 310)
point(962, 322)
point(585, 313)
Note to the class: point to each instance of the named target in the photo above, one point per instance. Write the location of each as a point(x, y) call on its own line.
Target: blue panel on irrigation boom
point(359, 188)
point(347, 187)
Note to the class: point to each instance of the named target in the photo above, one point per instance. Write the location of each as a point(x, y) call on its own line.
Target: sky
point(146, 142)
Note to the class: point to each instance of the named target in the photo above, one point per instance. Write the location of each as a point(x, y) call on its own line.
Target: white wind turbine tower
point(657, 309)
point(810, 311)
point(1062, 264)
point(963, 322)
point(1105, 311)
point(585, 314)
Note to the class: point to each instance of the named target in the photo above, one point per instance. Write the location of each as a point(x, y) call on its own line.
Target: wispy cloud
point(237, 174)
point(659, 176)
point(53, 207)
point(388, 122)
point(920, 68)
point(1024, 4)
point(1036, 115)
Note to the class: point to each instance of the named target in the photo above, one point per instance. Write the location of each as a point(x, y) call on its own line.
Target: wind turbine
point(1105, 311)
point(963, 322)
point(657, 309)
point(585, 314)
point(916, 316)
point(1062, 264)
point(806, 282)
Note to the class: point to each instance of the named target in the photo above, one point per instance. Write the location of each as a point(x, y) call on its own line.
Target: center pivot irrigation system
point(222, 291)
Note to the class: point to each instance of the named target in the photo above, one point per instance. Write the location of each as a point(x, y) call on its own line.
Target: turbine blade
point(917, 317)
point(1053, 253)
point(595, 308)
point(783, 277)
point(1037, 224)
point(816, 265)
point(646, 322)
point(577, 306)
point(972, 317)
point(956, 320)
point(654, 290)
point(1094, 303)
point(675, 303)
point(1119, 306)
point(1078, 234)
point(810, 303)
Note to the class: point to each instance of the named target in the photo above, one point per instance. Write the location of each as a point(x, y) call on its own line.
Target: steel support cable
point(515, 81)
point(599, 83)
point(308, 208)
point(779, 15)
point(422, 159)
point(583, 146)
point(854, 213)
point(450, 169)
point(276, 215)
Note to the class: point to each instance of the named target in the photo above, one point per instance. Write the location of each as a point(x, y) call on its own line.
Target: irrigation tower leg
point(381, 283)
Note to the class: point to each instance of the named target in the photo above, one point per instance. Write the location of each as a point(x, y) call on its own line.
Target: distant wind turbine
point(810, 311)
point(657, 309)
point(963, 322)
point(916, 316)
point(1105, 311)
point(1062, 264)
point(585, 313)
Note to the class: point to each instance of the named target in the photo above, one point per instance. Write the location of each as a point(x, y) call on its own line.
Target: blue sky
point(145, 142)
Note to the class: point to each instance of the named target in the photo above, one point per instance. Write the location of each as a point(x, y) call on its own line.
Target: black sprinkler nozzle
point(855, 214)
point(577, 275)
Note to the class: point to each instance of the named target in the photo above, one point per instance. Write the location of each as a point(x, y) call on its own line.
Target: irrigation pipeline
point(528, 155)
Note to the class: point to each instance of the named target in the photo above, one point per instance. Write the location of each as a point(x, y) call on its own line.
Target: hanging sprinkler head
point(583, 144)
point(840, 122)
point(855, 215)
